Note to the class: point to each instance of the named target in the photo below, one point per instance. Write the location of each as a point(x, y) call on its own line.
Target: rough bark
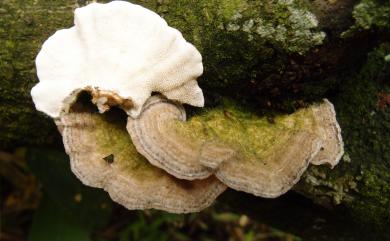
point(267, 70)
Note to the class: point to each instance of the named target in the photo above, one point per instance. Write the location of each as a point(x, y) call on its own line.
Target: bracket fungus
point(102, 155)
point(244, 151)
point(122, 52)
point(119, 53)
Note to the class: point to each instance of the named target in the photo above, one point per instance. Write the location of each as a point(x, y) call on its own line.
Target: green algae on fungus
point(234, 126)
point(112, 139)
point(246, 152)
point(255, 135)
point(90, 138)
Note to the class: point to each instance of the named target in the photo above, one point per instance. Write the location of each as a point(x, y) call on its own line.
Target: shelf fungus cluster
point(242, 150)
point(144, 152)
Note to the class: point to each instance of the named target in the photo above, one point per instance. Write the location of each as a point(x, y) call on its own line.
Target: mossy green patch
point(366, 131)
point(375, 202)
point(256, 137)
point(228, 9)
point(370, 14)
point(112, 137)
point(24, 25)
point(241, 40)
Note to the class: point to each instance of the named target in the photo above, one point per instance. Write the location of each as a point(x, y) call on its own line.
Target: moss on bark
point(242, 42)
point(361, 181)
point(24, 25)
point(365, 115)
point(370, 14)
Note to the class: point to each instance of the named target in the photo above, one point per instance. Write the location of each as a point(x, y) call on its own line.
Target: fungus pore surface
point(121, 52)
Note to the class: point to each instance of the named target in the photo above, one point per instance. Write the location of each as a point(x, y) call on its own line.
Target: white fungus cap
point(118, 47)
